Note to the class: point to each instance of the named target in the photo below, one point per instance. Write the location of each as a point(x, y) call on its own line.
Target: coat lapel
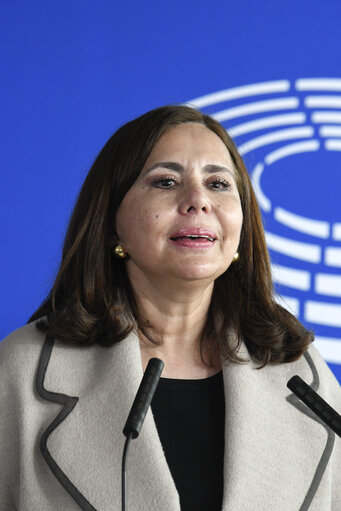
point(272, 443)
point(83, 445)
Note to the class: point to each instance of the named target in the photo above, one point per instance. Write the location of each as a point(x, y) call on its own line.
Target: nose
point(194, 201)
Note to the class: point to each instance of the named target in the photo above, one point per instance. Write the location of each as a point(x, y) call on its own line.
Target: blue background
point(73, 72)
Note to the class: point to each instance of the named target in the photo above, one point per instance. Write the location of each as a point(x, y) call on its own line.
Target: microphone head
point(296, 384)
point(316, 403)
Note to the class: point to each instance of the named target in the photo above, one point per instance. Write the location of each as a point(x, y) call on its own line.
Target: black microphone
point(139, 410)
point(143, 397)
point(315, 402)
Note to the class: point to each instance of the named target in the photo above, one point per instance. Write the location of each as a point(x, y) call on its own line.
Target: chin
point(199, 272)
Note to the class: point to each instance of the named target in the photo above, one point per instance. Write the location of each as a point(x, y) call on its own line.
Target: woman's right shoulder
point(21, 347)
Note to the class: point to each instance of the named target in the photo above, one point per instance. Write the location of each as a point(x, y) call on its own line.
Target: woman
point(165, 257)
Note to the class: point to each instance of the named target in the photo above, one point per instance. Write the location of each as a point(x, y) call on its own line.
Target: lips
point(195, 233)
point(193, 237)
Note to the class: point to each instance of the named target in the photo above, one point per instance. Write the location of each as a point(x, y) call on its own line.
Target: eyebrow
point(177, 167)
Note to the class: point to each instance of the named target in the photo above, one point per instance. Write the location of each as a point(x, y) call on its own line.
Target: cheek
point(239, 220)
point(136, 221)
point(233, 220)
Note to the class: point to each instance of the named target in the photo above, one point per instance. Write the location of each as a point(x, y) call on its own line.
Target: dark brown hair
point(92, 301)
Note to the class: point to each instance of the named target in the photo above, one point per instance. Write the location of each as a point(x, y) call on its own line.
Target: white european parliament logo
point(282, 125)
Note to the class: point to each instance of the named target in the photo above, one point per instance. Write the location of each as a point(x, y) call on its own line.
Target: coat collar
point(267, 449)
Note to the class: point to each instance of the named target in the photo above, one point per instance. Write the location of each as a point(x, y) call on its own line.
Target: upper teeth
point(199, 236)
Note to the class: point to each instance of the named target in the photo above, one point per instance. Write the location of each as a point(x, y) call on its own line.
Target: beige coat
point(62, 411)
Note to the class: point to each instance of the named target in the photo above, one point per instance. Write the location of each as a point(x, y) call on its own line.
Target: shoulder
point(21, 347)
point(19, 360)
point(28, 356)
point(325, 381)
point(313, 369)
point(29, 362)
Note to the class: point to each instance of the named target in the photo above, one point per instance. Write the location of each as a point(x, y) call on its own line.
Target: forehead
point(190, 142)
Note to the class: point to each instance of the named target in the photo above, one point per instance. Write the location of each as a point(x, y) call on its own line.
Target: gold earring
point(236, 256)
point(120, 252)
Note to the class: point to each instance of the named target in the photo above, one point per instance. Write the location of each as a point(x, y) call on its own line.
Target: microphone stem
point(123, 478)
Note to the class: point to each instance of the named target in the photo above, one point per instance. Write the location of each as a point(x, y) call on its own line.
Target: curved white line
point(275, 136)
point(322, 313)
point(330, 348)
point(256, 107)
point(297, 279)
point(302, 224)
point(330, 131)
point(243, 91)
point(296, 249)
point(289, 303)
point(327, 284)
point(266, 122)
point(318, 84)
point(337, 231)
point(332, 144)
point(332, 256)
point(325, 116)
point(263, 201)
point(322, 102)
point(288, 150)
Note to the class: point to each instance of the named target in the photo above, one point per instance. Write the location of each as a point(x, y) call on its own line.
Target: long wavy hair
point(92, 300)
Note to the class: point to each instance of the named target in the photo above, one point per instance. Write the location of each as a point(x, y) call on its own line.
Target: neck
point(173, 314)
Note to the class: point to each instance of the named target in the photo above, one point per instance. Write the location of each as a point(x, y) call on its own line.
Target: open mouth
point(193, 237)
point(193, 241)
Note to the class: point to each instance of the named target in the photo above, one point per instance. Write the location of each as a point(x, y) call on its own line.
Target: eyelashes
point(170, 182)
point(165, 183)
point(219, 184)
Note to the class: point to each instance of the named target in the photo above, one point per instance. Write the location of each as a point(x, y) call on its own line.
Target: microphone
point(139, 410)
point(315, 402)
point(143, 397)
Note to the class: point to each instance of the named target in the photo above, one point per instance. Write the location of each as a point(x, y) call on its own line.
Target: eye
point(165, 183)
point(219, 184)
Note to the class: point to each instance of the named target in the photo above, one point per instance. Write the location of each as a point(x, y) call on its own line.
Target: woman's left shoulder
point(315, 371)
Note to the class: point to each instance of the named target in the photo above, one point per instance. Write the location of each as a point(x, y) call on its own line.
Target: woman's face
point(182, 217)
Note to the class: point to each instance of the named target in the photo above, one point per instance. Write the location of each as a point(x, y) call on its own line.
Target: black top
point(190, 418)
